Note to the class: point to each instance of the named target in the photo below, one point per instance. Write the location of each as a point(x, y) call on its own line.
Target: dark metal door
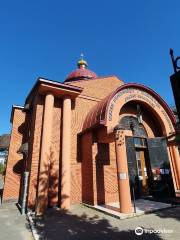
point(161, 180)
point(131, 158)
point(132, 166)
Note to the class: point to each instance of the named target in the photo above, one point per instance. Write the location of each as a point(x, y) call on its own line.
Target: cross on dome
point(82, 72)
point(82, 63)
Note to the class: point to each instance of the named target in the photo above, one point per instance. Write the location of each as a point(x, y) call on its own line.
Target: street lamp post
point(175, 81)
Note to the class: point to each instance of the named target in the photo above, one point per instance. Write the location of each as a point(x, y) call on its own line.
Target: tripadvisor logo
point(139, 231)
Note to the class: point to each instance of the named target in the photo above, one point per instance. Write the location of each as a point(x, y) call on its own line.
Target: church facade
point(93, 140)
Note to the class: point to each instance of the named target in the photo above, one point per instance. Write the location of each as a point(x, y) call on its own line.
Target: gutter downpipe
point(24, 195)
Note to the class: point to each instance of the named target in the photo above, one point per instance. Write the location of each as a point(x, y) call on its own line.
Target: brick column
point(42, 199)
point(66, 155)
point(122, 172)
point(176, 158)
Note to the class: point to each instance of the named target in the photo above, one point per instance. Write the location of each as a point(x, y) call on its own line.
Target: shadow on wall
point(49, 179)
point(59, 224)
point(94, 159)
point(18, 168)
point(102, 158)
point(49, 194)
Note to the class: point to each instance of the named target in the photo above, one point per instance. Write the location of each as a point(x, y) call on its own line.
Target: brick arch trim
point(98, 114)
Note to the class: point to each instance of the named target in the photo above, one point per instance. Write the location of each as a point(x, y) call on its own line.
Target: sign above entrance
point(107, 111)
point(136, 94)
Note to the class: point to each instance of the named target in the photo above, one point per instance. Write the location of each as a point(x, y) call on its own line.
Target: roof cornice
point(44, 85)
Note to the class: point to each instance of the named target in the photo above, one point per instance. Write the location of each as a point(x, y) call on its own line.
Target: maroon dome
point(81, 72)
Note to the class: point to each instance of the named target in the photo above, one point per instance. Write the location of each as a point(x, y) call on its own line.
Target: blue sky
point(130, 39)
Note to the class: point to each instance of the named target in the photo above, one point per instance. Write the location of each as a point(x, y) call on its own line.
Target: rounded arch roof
point(98, 115)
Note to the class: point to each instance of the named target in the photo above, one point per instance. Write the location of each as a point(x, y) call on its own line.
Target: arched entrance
point(141, 125)
point(148, 161)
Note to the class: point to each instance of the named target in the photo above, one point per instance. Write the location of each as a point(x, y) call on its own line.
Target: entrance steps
point(142, 207)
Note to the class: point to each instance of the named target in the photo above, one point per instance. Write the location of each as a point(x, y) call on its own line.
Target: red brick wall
point(97, 88)
point(99, 172)
point(34, 156)
point(54, 181)
point(87, 170)
point(83, 175)
point(104, 173)
point(15, 160)
point(82, 107)
point(110, 177)
point(34, 150)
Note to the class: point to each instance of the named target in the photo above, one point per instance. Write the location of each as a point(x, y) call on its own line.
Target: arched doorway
point(150, 130)
point(148, 161)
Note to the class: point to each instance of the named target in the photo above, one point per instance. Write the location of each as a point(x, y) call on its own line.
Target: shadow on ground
point(58, 224)
point(169, 213)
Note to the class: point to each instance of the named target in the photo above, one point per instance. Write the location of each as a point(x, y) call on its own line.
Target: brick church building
point(91, 140)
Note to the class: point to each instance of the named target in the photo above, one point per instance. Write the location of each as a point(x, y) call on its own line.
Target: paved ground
point(142, 206)
point(87, 224)
point(83, 223)
point(13, 226)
